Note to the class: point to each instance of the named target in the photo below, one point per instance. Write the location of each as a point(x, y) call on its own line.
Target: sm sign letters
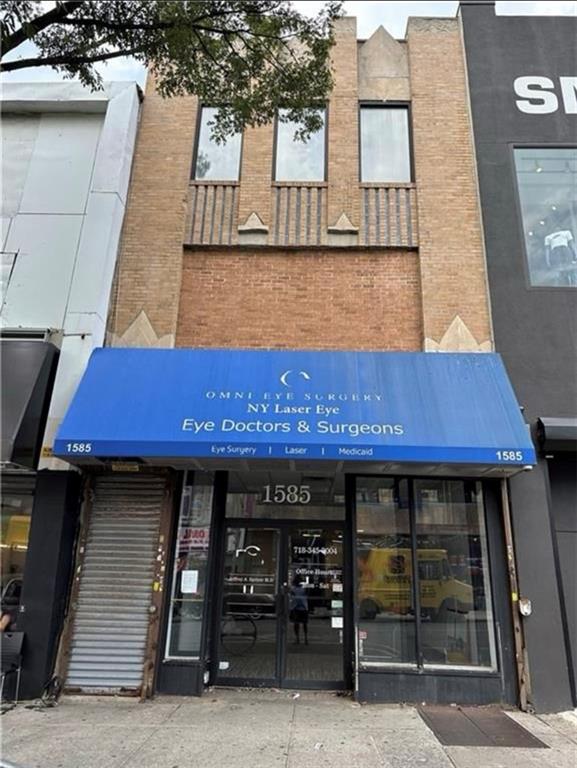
point(539, 95)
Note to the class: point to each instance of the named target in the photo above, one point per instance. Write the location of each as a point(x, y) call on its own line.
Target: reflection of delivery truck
point(385, 584)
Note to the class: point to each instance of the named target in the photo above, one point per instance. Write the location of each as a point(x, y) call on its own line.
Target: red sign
point(193, 538)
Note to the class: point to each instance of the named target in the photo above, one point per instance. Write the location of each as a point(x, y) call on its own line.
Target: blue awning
point(301, 405)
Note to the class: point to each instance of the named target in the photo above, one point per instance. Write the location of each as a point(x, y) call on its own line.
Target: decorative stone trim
point(253, 231)
point(458, 338)
point(140, 333)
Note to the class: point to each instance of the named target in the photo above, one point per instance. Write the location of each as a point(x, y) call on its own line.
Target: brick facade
point(149, 265)
point(343, 127)
point(302, 300)
point(451, 253)
point(256, 173)
point(414, 282)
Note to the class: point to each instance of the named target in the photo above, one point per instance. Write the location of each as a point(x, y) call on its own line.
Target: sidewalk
point(257, 729)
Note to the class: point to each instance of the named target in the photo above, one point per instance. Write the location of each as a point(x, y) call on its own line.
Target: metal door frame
point(283, 527)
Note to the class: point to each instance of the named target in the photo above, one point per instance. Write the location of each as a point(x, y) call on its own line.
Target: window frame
point(519, 210)
point(189, 481)
point(15, 579)
point(406, 105)
point(303, 182)
point(197, 130)
point(420, 666)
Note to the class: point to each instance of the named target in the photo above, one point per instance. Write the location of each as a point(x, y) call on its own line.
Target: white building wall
point(66, 161)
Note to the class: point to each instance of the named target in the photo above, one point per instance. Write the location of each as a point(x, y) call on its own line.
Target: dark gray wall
point(535, 328)
point(47, 575)
point(535, 547)
point(563, 475)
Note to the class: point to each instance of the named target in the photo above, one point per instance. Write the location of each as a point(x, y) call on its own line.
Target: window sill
point(387, 185)
point(407, 669)
point(179, 660)
point(212, 183)
point(312, 184)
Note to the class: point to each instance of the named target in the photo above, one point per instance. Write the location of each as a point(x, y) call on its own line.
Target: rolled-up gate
point(111, 609)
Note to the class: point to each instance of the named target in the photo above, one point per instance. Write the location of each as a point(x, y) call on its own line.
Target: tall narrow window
point(453, 573)
point(216, 162)
point(547, 181)
point(385, 577)
point(190, 569)
point(385, 152)
point(299, 160)
point(425, 539)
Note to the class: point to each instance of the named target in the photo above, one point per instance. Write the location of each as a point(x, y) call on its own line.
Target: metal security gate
point(22, 484)
point(116, 580)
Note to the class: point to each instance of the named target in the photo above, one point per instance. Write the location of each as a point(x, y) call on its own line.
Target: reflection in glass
point(315, 607)
point(216, 162)
point(385, 153)
point(190, 569)
point(248, 630)
point(547, 180)
point(16, 516)
point(386, 629)
point(299, 160)
point(457, 619)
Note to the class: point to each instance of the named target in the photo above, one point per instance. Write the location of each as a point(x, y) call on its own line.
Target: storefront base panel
point(180, 678)
point(430, 688)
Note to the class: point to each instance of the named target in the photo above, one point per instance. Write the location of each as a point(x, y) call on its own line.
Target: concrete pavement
point(257, 729)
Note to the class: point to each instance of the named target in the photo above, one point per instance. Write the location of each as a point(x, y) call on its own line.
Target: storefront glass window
point(216, 162)
point(456, 611)
point(442, 521)
point(385, 151)
point(386, 624)
point(190, 569)
point(299, 160)
point(16, 516)
point(547, 181)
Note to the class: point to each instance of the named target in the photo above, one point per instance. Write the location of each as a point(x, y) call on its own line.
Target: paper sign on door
point(189, 582)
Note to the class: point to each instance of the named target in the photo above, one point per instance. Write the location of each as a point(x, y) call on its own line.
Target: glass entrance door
point(281, 620)
point(249, 627)
point(314, 632)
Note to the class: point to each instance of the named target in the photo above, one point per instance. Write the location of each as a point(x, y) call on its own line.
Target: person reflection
point(299, 609)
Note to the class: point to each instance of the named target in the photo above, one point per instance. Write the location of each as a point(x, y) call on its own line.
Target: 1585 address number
point(78, 447)
point(510, 455)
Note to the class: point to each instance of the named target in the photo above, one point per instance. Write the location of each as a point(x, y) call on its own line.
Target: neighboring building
point(288, 486)
point(522, 75)
point(66, 159)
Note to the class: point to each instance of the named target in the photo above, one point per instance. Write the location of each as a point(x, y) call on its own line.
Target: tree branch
point(31, 28)
point(208, 53)
point(124, 25)
point(10, 66)
point(119, 25)
point(128, 24)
